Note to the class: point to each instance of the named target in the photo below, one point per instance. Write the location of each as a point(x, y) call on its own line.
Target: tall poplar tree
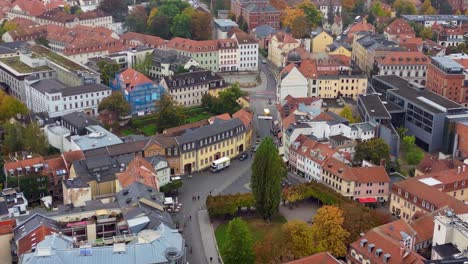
point(267, 171)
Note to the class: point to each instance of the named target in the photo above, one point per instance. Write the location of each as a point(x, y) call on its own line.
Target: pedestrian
point(198, 197)
point(211, 259)
point(191, 250)
point(210, 192)
point(190, 217)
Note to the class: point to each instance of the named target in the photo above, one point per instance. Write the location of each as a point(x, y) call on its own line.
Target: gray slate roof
point(32, 223)
point(56, 86)
point(264, 31)
point(216, 128)
point(79, 120)
point(105, 166)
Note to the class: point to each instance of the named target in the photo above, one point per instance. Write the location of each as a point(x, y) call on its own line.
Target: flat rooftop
point(447, 62)
point(16, 64)
point(225, 23)
point(374, 106)
point(97, 137)
point(435, 17)
point(420, 96)
point(59, 59)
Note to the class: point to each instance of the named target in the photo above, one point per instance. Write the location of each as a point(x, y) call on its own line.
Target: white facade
point(163, 172)
point(324, 10)
point(59, 103)
point(412, 73)
point(450, 228)
point(57, 137)
point(228, 59)
point(19, 204)
point(248, 56)
point(294, 84)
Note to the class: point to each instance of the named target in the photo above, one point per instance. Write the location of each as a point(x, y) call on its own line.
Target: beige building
point(281, 44)
point(418, 195)
point(334, 86)
point(320, 42)
point(368, 48)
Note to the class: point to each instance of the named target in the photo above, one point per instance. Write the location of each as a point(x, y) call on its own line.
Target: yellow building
point(200, 147)
point(281, 44)
point(334, 86)
point(340, 51)
point(320, 42)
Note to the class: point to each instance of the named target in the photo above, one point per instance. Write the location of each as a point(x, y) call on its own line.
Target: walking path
point(208, 238)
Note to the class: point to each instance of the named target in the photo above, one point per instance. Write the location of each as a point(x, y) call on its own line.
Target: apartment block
point(411, 65)
point(450, 236)
point(447, 78)
point(256, 13)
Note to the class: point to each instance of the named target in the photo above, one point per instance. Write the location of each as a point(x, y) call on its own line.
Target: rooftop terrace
point(16, 64)
point(58, 59)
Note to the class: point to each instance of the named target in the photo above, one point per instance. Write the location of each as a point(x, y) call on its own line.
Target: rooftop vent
point(363, 242)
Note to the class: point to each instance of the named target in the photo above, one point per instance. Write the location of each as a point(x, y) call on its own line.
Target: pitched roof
point(362, 26)
point(138, 170)
point(244, 116)
point(132, 78)
point(12, 165)
point(192, 45)
point(404, 58)
point(358, 174)
point(33, 7)
point(133, 38)
point(319, 258)
point(388, 246)
point(179, 130)
point(398, 27)
point(308, 68)
point(431, 164)
point(241, 36)
point(285, 37)
point(71, 156)
point(224, 116)
point(59, 15)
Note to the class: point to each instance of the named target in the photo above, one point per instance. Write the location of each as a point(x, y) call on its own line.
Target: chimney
point(458, 169)
point(463, 168)
point(402, 251)
point(383, 162)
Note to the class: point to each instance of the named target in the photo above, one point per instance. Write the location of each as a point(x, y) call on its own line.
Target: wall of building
point(320, 42)
point(76, 196)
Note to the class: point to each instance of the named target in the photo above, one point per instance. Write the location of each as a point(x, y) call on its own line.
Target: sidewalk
point(208, 238)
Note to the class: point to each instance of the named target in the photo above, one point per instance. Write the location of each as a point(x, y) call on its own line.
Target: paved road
point(234, 179)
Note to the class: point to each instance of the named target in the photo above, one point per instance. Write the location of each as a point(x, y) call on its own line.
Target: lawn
point(258, 227)
point(149, 130)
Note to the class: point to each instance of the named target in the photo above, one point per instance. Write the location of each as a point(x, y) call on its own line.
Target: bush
point(171, 187)
point(224, 205)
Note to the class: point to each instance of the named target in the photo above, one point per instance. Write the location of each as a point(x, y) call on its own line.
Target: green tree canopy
point(33, 186)
point(267, 171)
point(404, 7)
point(108, 71)
point(239, 243)
point(117, 8)
point(169, 113)
point(181, 26)
point(200, 26)
point(427, 8)
point(30, 138)
point(226, 102)
point(373, 150)
point(300, 27)
point(116, 103)
point(10, 106)
point(413, 153)
point(137, 19)
point(348, 114)
point(314, 16)
point(328, 233)
point(144, 66)
point(160, 26)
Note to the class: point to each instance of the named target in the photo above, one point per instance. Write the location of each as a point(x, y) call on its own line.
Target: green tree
point(426, 33)
point(14, 138)
point(348, 114)
point(373, 150)
point(33, 186)
point(297, 237)
point(108, 71)
point(117, 8)
point(267, 171)
point(30, 138)
point(404, 7)
point(314, 16)
point(427, 8)
point(413, 153)
point(181, 26)
point(42, 41)
point(226, 102)
point(137, 19)
point(200, 26)
point(328, 233)
point(239, 243)
point(160, 26)
point(169, 113)
point(402, 131)
point(116, 103)
point(169, 10)
point(144, 66)
point(10, 107)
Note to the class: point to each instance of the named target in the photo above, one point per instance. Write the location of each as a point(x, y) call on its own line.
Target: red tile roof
point(388, 245)
point(360, 26)
point(308, 68)
point(244, 116)
point(54, 164)
point(319, 258)
point(463, 62)
point(23, 22)
point(132, 78)
point(139, 170)
point(404, 58)
point(71, 156)
point(285, 38)
point(135, 39)
point(357, 174)
point(431, 163)
point(192, 45)
point(32, 7)
point(224, 116)
point(399, 27)
point(13, 165)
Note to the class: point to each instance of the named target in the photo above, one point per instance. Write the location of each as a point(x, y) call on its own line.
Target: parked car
point(264, 61)
point(243, 156)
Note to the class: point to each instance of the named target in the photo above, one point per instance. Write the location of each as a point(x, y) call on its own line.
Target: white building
point(411, 65)
point(292, 83)
point(58, 99)
point(163, 171)
point(169, 62)
point(15, 201)
point(228, 55)
point(96, 137)
point(247, 52)
point(450, 234)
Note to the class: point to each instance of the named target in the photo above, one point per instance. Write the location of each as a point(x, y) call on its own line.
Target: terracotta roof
point(71, 156)
point(448, 179)
point(179, 130)
point(241, 36)
point(289, 120)
point(431, 163)
point(319, 258)
point(389, 247)
point(132, 78)
point(132, 38)
point(224, 116)
point(308, 68)
point(463, 62)
point(23, 22)
point(5, 6)
point(313, 150)
point(32, 7)
point(399, 27)
point(358, 174)
point(424, 226)
point(58, 15)
point(285, 38)
point(292, 103)
point(287, 69)
point(139, 170)
point(192, 45)
point(404, 58)
point(244, 116)
point(393, 230)
point(360, 26)
point(323, 116)
point(12, 165)
point(343, 60)
point(55, 164)
point(428, 194)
